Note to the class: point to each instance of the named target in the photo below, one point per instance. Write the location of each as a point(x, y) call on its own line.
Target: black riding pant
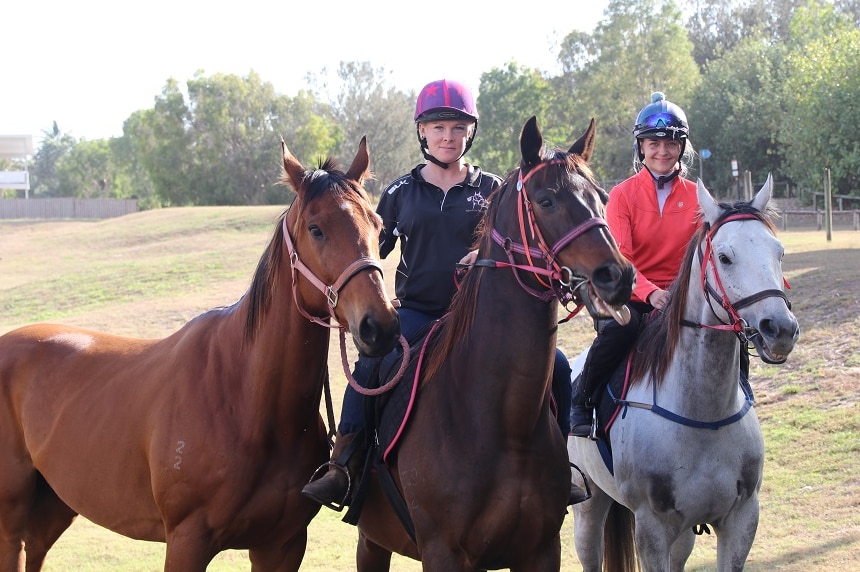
point(610, 347)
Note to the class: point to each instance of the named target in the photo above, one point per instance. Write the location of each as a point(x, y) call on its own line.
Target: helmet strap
point(663, 179)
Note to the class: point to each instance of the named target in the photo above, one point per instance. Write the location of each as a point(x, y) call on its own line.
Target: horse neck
point(286, 359)
point(704, 372)
point(510, 350)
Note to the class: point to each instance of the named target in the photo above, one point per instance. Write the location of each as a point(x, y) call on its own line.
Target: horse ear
point(294, 172)
point(585, 144)
point(531, 142)
point(358, 171)
point(710, 208)
point(762, 197)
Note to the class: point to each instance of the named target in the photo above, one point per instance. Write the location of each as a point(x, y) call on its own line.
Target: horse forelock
point(573, 164)
point(746, 208)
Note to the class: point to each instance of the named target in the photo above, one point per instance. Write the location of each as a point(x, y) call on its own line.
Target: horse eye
point(546, 203)
point(725, 259)
point(315, 231)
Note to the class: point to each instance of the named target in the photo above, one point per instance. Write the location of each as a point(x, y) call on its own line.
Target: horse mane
point(659, 337)
point(457, 325)
point(326, 177)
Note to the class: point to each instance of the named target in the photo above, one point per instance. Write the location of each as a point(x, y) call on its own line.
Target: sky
point(89, 64)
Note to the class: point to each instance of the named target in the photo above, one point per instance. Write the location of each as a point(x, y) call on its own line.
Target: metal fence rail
point(805, 220)
point(66, 208)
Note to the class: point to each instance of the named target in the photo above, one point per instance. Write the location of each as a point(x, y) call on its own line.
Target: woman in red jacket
point(652, 216)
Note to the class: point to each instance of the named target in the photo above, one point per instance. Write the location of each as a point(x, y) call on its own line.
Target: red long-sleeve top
point(655, 242)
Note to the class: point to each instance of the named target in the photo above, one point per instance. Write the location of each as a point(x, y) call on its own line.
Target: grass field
point(147, 274)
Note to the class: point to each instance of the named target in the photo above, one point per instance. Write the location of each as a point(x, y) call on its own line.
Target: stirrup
point(593, 434)
point(586, 490)
point(334, 505)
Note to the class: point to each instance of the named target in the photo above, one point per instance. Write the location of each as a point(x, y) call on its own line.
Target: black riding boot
point(334, 488)
point(611, 344)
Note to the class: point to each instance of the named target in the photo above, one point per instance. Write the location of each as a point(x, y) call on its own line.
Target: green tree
point(131, 180)
point(221, 145)
point(821, 118)
point(44, 177)
point(367, 105)
point(640, 47)
point(736, 112)
point(160, 139)
point(507, 98)
point(87, 170)
point(235, 148)
point(717, 26)
point(308, 127)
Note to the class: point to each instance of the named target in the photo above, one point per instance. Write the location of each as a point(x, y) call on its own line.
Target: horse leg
point(681, 550)
point(29, 526)
point(286, 557)
point(18, 483)
point(653, 541)
point(735, 535)
point(545, 559)
point(588, 524)
point(371, 557)
point(188, 548)
point(49, 518)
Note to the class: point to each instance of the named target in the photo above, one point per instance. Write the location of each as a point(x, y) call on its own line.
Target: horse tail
point(619, 548)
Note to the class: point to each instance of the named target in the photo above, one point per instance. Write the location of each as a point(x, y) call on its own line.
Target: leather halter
point(552, 270)
point(331, 292)
point(736, 324)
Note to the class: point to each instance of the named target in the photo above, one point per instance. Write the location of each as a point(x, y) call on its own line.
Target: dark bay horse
point(482, 466)
point(203, 439)
point(687, 448)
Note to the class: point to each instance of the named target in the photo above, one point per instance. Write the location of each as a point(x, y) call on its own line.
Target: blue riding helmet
point(661, 119)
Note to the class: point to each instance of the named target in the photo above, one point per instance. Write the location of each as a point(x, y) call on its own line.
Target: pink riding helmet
point(445, 99)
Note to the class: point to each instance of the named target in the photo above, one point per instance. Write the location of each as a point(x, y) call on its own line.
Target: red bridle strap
point(553, 270)
point(736, 324)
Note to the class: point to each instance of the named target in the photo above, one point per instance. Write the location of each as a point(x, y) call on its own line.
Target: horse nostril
point(767, 328)
point(606, 276)
point(376, 336)
point(369, 330)
point(614, 283)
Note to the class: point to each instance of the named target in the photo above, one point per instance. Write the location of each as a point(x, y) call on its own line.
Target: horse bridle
point(565, 277)
point(736, 324)
point(331, 293)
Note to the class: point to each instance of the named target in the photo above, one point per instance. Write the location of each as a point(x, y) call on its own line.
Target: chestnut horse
point(482, 466)
point(203, 439)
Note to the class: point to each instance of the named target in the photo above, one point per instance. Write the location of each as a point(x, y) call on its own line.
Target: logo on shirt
point(477, 203)
point(396, 185)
